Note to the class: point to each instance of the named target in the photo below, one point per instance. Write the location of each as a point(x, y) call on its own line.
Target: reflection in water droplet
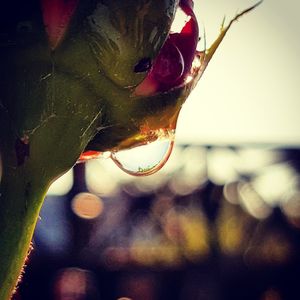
point(145, 159)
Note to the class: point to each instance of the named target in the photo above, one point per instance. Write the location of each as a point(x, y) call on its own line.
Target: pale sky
point(250, 92)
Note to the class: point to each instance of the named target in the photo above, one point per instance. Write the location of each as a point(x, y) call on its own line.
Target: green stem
point(31, 160)
point(20, 201)
point(29, 165)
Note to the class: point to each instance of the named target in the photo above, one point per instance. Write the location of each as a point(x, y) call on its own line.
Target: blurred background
point(222, 219)
point(250, 91)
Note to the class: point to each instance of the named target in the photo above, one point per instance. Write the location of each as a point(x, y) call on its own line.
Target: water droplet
point(148, 158)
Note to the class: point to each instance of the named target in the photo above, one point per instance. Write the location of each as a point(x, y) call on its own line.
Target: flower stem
point(21, 197)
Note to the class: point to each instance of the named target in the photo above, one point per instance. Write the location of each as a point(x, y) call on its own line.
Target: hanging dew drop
point(146, 159)
point(142, 160)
